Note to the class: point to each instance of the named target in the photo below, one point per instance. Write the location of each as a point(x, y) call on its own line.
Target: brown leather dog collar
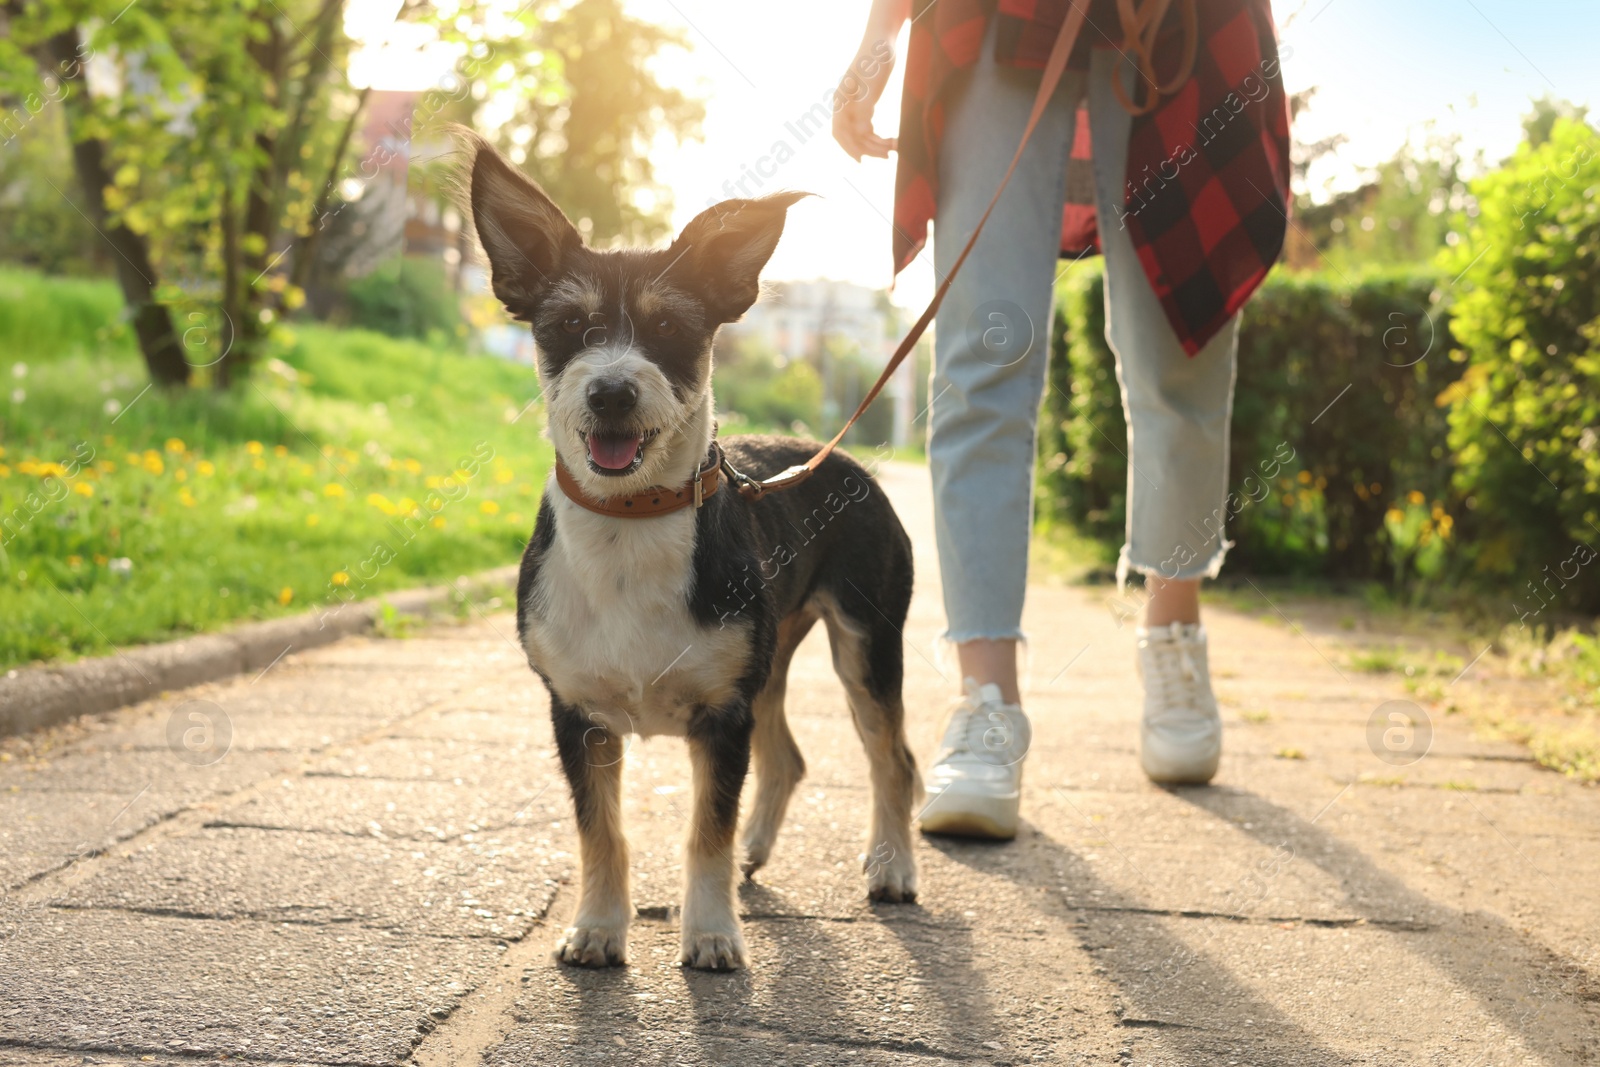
point(657, 500)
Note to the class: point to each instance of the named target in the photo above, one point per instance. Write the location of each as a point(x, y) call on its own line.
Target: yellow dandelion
point(340, 578)
point(437, 522)
point(504, 475)
point(1415, 497)
point(74, 561)
point(406, 506)
point(152, 462)
point(258, 464)
point(285, 595)
point(105, 466)
point(255, 448)
point(186, 498)
point(1394, 515)
point(1304, 477)
point(433, 481)
point(132, 458)
point(489, 507)
point(83, 488)
point(280, 450)
point(180, 475)
point(100, 561)
point(381, 502)
point(5, 471)
point(412, 466)
point(312, 520)
point(1446, 523)
point(175, 446)
point(333, 489)
point(206, 467)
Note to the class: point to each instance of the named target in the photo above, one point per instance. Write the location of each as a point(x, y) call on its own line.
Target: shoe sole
point(1170, 775)
point(988, 818)
point(967, 824)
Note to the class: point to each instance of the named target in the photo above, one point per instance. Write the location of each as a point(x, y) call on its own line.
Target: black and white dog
point(683, 620)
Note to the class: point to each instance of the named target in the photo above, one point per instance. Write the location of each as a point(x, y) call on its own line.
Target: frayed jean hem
point(1209, 569)
point(960, 638)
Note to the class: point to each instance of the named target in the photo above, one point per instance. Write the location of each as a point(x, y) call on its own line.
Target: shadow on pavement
point(1535, 993)
point(1163, 982)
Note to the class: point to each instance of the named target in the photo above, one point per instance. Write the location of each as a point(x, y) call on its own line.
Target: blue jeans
point(992, 340)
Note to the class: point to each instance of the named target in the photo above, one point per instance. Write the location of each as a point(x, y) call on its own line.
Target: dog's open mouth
point(613, 453)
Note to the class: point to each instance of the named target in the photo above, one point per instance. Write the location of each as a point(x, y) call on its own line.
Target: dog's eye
point(572, 323)
point(666, 328)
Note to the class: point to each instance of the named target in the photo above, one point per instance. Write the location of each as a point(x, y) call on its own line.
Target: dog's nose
point(612, 396)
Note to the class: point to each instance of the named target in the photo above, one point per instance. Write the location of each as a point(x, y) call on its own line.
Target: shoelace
point(1177, 678)
point(999, 732)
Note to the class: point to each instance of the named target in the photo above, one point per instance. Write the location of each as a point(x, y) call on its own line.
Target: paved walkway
point(375, 872)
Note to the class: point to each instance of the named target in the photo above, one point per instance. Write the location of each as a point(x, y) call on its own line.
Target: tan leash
point(1054, 67)
point(1140, 24)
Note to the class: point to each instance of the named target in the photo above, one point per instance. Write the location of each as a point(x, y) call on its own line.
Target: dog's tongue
point(613, 453)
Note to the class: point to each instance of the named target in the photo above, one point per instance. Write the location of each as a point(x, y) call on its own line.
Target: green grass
point(349, 465)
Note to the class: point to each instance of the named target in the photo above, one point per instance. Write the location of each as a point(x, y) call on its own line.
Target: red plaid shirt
point(1207, 189)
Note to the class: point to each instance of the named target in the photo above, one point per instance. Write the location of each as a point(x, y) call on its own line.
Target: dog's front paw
point(714, 951)
point(593, 946)
point(891, 877)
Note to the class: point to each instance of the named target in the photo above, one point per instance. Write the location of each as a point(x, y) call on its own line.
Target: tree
point(585, 107)
point(202, 155)
point(1538, 123)
point(45, 59)
point(210, 163)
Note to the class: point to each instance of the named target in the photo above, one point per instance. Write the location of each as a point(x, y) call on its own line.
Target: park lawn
point(349, 465)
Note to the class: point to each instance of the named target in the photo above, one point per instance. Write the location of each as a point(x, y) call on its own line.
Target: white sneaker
point(975, 783)
point(1180, 741)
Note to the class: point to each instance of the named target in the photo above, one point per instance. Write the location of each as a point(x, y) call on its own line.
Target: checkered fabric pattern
point(1206, 195)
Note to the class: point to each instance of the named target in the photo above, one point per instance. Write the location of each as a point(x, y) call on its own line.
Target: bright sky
point(1385, 69)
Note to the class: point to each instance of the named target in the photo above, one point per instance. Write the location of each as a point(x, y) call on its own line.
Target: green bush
point(754, 386)
point(412, 298)
point(1525, 418)
point(1335, 424)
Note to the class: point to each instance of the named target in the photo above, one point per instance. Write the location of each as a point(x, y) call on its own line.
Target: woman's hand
point(863, 83)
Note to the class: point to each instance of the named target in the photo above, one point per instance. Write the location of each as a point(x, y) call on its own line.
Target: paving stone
point(375, 807)
point(151, 985)
point(496, 885)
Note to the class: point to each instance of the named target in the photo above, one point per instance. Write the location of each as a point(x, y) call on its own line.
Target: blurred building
point(797, 319)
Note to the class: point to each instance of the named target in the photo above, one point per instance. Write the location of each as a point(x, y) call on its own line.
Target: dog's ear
point(523, 232)
point(725, 247)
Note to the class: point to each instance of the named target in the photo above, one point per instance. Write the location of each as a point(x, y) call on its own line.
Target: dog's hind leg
point(591, 755)
point(868, 657)
point(778, 763)
point(719, 751)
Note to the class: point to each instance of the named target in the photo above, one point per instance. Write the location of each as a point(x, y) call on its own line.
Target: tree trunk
point(152, 321)
point(305, 249)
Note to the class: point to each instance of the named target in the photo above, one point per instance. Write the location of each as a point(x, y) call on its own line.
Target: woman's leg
point(991, 343)
point(1178, 409)
point(990, 349)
